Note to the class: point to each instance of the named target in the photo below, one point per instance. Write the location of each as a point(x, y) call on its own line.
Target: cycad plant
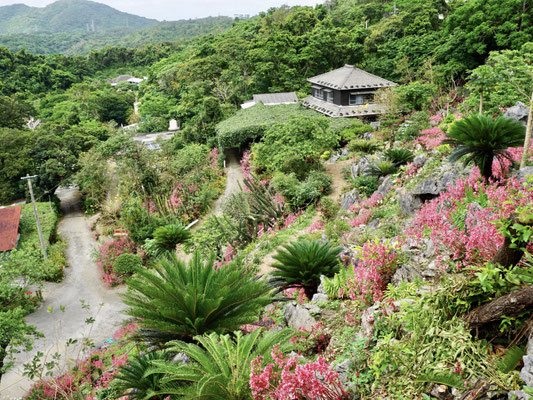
point(300, 264)
point(481, 139)
point(176, 300)
point(132, 379)
point(399, 156)
point(220, 366)
point(167, 237)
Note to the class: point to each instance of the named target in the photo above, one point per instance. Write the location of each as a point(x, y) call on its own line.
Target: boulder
point(524, 173)
point(406, 273)
point(385, 186)
point(343, 369)
point(349, 198)
point(361, 167)
point(518, 112)
point(420, 160)
point(409, 203)
point(297, 316)
point(319, 298)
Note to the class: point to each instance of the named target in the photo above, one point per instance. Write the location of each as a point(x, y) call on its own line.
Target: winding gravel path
point(81, 282)
point(234, 179)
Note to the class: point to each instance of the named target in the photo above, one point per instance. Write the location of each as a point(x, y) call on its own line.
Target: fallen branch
point(509, 304)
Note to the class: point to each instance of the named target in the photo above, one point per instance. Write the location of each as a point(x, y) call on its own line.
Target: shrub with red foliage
point(287, 379)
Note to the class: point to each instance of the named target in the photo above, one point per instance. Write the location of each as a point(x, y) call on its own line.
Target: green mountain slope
point(67, 16)
point(72, 43)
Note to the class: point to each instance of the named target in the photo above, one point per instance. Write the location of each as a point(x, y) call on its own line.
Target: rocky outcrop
point(524, 173)
point(349, 198)
point(518, 112)
point(406, 273)
point(297, 316)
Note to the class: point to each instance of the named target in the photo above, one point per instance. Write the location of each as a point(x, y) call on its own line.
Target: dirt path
point(81, 282)
point(234, 179)
point(334, 171)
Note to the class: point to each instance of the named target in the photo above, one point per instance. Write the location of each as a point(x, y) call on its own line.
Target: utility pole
point(43, 246)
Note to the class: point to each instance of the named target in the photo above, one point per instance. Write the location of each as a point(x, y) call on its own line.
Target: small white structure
point(125, 78)
point(173, 125)
point(150, 140)
point(272, 99)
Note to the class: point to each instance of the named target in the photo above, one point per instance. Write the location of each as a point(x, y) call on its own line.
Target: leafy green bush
point(301, 194)
point(336, 228)
point(335, 286)
point(169, 236)
point(252, 123)
point(300, 264)
point(220, 364)
point(127, 264)
point(354, 132)
point(366, 184)
point(364, 145)
point(416, 96)
point(179, 301)
point(329, 208)
point(399, 156)
point(132, 379)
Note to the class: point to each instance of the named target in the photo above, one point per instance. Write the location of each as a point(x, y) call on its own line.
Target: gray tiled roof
point(276, 98)
point(334, 110)
point(350, 77)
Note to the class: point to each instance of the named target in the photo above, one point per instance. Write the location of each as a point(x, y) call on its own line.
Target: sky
point(183, 9)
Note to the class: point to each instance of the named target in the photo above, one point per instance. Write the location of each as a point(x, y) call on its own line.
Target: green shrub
point(382, 168)
point(169, 236)
point(366, 185)
point(416, 96)
point(132, 379)
point(354, 132)
point(176, 300)
point(300, 264)
point(335, 285)
point(301, 194)
point(399, 156)
point(220, 364)
point(321, 181)
point(126, 264)
point(329, 208)
point(363, 145)
point(336, 228)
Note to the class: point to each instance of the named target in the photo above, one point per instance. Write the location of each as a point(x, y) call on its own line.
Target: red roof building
point(9, 227)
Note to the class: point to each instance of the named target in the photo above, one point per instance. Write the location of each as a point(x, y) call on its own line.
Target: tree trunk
point(509, 304)
point(507, 255)
point(527, 139)
point(487, 168)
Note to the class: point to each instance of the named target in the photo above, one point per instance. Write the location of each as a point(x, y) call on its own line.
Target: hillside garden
point(409, 278)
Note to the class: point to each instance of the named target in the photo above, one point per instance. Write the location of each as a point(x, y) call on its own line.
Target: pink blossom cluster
point(377, 263)
point(410, 170)
point(364, 209)
point(315, 226)
point(213, 159)
point(108, 253)
point(287, 379)
point(246, 164)
point(479, 239)
point(431, 138)
point(297, 294)
point(500, 168)
point(436, 119)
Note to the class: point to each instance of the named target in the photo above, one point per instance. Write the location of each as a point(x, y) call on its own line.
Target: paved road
point(81, 282)
point(234, 179)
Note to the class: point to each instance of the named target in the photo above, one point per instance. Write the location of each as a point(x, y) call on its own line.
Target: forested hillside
point(82, 42)
point(273, 252)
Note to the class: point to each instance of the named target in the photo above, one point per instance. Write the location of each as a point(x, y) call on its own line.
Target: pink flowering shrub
point(500, 168)
point(246, 165)
point(462, 219)
point(315, 226)
point(108, 253)
point(431, 138)
point(364, 209)
point(287, 379)
point(377, 263)
point(90, 375)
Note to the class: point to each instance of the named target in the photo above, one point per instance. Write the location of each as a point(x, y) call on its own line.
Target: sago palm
point(300, 264)
point(167, 237)
point(220, 366)
point(176, 300)
point(132, 379)
point(481, 139)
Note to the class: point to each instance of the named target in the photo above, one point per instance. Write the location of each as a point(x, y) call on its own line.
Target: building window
point(330, 97)
point(319, 94)
point(356, 99)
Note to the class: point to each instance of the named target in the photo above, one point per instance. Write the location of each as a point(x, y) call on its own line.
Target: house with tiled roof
point(346, 92)
point(9, 227)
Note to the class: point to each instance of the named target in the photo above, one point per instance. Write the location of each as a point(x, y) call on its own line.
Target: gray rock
point(385, 186)
point(181, 358)
point(473, 208)
point(524, 173)
point(343, 369)
point(349, 198)
point(298, 317)
point(360, 167)
point(368, 136)
point(518, 112)
point(530, 343)
point(320, 289)
point(406, 273)
point(429, 187)
point(373, 224)
point(527, 371)
point(518, 395)
point(319, 298)
point(409, 203)
point(420, 160)
point(430, 249)
point(312, 308)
